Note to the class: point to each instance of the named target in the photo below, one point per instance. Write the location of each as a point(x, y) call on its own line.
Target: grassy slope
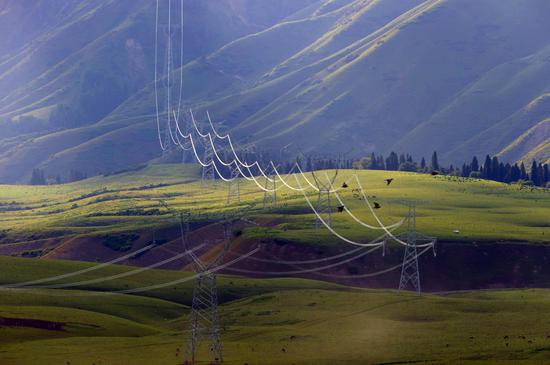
point(314, 323)
point(540, 153)
point(330, 85)
point(533, 144)
point(507, 212)
point(338, 70)
point(110, 60)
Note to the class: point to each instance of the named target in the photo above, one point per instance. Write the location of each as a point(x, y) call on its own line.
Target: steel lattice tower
point(410, 274)
point(208, 172)
point(186, 144)
point(323, 208)
point(204, 322)
point(270, 192)
point(323, 200)
point(234, 185)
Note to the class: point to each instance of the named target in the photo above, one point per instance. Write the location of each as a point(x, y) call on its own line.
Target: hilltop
point(137, 199)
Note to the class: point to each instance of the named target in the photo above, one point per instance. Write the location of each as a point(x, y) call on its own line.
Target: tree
point(365, 163)
point(495, 169)
point(38, 177)
point(523, 172)
point(75, 175)
point(516, 173)
point(534, 175)
point(380, 163)
point(435, 162)
point(487, 173)
point(408, 166)
point(392, 162)
point(423, 164)
point(309, 164)
point(402, 159)
point(475, 164)
point(465, 170)
point(507, 173)
point(373, 162)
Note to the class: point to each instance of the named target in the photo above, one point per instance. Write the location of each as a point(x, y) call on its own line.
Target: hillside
point(459, 76)
point(531, 145)
point(130, 201)
point(272, 322)
point(85, 77)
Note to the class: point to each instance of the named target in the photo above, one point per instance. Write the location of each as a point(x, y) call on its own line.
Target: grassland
point(279, 321)
point(265, 321)
point(130, 201)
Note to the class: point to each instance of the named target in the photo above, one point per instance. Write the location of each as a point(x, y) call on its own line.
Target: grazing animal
point(377, 205)
point(389, 181)
point(434, 173)
point(340, 209)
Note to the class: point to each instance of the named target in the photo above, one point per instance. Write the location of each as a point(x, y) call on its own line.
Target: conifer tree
point(523, 172)
point(435, 162)
point(475, 164)
point(487, 173)
point(534, 175)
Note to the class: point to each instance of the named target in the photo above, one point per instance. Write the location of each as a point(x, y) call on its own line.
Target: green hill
point(277, 321)
point(130, 202)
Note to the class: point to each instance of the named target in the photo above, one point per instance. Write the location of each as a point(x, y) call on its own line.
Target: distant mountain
point(461, 77)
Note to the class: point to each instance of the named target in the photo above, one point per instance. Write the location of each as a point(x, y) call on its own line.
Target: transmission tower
point(324, 207)
point(208, 172)
point(270, 192)
point(234, 185)
point(410, 275)
point(186, 144)
point(410, 272)
point(204, 322)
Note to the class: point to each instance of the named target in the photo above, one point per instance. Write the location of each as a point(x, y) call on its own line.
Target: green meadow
point(277, 321)
point(107, 319)
point(136, 200)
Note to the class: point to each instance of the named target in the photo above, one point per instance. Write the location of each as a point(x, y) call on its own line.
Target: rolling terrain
point(460, 77)
point(135, 200)
point(479, 225)
point(275, 322)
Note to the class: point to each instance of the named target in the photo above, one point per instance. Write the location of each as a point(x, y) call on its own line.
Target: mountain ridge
point(460, 77)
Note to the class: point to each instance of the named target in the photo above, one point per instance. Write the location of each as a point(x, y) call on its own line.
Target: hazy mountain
point(462, 77)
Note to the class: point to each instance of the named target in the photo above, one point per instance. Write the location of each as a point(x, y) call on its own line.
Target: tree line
point(538, 174)
point(39, 177)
